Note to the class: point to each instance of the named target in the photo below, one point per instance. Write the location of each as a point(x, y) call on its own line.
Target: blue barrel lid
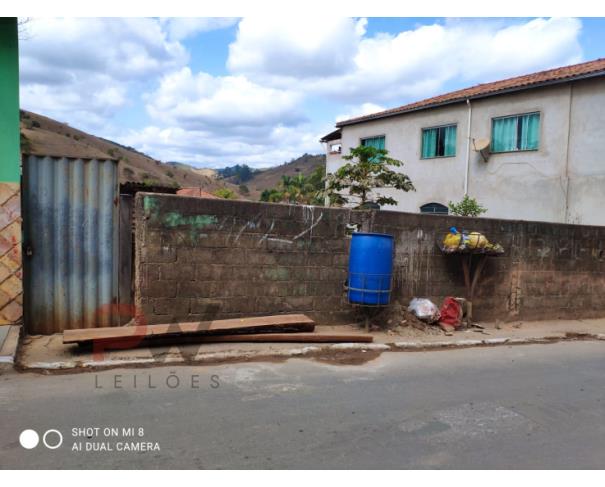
point(372, 234)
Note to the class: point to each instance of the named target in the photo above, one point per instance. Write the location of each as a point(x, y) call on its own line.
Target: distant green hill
point(270, 178)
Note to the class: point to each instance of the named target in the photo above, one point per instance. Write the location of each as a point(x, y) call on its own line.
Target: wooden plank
point(166, 340)
point(259, 324)
point(291, 337)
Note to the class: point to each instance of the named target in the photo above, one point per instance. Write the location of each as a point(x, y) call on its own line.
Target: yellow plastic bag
point(452, 240)
point(476, 241)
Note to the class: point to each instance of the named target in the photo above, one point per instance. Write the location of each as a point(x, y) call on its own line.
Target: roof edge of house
point(334, 135)
point(392, 113)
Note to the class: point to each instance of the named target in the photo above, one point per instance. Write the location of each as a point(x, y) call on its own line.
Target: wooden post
point(471, 278)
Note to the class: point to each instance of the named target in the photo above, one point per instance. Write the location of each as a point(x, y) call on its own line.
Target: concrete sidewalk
point(47, 353)
point(9, 344)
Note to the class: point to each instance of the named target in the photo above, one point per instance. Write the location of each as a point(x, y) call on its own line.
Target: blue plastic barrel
point(370, 269)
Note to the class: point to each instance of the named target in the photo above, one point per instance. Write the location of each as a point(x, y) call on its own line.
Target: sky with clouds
point(213, 92)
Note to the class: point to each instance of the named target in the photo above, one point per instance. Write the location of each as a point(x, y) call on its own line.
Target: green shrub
point(225, 193)
point(467, 207)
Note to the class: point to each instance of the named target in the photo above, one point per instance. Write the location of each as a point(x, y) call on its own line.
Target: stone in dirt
point(448, 329)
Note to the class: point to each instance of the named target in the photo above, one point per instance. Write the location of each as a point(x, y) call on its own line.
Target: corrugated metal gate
point(70, 243)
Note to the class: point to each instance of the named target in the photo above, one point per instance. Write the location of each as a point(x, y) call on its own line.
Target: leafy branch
point(369, 169)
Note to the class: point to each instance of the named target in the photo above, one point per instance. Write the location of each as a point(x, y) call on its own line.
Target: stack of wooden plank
point(278, 328)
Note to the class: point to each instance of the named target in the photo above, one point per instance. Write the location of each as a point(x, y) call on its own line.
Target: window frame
point(330, 146)
point(517, 116)
point(453, 124)
point(447, 210)
point(361, 139)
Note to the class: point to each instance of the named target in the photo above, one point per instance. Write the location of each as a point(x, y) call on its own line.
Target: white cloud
point(84, 104)
point(222, 104)
point(343, 63)
point(180, 28)
point(84, 70)
point(295, 47)
point(360, 110)
point(422, 61)
point(222, 120)
point(203, 148)
point(81, 70)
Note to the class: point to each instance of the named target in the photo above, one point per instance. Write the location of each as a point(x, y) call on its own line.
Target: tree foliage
point(238, 174)
point(467, 207)
point(299, 189)
point(225, 193)
point(272, 195)
point(368, 169)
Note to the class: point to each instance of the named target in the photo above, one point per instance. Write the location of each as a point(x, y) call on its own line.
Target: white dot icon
point(29, 439)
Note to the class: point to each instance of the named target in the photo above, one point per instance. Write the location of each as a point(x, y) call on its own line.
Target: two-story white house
point(530, 147)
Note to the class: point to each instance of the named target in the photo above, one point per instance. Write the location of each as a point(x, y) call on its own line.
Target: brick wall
point(202, 259)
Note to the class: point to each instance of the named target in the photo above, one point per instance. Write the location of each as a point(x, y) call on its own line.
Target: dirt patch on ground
point(346, 357)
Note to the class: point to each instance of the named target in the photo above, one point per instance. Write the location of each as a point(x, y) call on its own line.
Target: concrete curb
point(313, 351)
point(487, 342)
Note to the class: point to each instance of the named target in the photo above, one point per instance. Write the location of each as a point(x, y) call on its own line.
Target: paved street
point(538, 406)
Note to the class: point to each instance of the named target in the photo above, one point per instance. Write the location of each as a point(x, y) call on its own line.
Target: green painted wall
point(10, 153)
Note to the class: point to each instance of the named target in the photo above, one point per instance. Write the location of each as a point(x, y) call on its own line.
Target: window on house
point(439, 142)
point(377, 142)
point(519, 132)
point(434, 209)
point(335, 148)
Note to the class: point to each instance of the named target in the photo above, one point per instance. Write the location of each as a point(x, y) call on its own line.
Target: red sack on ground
point(451, 312)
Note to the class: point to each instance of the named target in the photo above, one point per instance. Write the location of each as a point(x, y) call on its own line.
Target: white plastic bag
point(424, 309)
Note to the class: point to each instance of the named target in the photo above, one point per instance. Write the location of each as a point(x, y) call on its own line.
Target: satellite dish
point(482, 146)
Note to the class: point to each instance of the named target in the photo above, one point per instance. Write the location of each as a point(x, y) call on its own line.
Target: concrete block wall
point(548, 271)
point(199, 259)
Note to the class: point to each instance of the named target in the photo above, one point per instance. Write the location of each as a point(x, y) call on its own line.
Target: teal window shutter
point(438, 142)
point(530, 131)
point(377, 142)
point(504, 134)
point(429, 143)
point(449, 146)
point(520, 132)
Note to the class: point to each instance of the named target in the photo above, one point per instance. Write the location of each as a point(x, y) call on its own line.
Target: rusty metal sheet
point(70, 247)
